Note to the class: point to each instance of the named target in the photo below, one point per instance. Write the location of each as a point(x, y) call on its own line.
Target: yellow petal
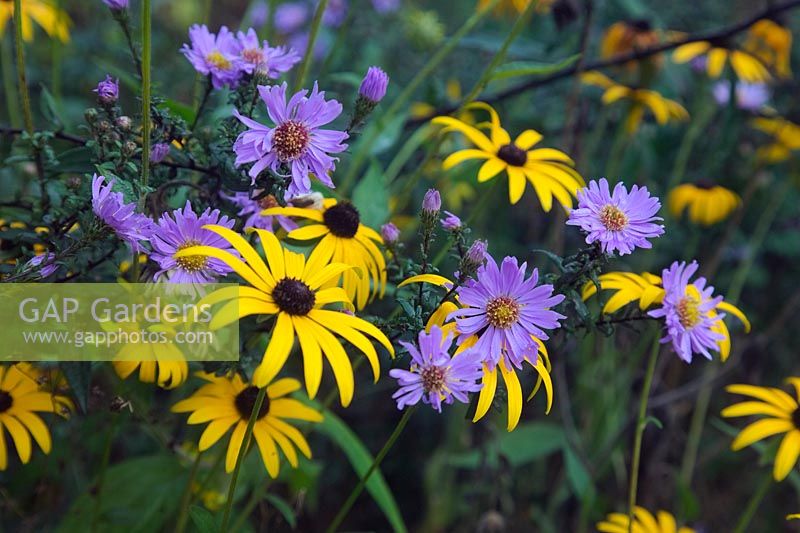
point(214, 431)
point(771, 395)
point(787, 455)
point(487, 392)
point(516, 184)
point(476, 136)
point(514, 390)
point(716, 61)
point(20, 436)
point(280, 345)
point(754, 408)
point(527, 139)
point(761, 430)
point(433, 279)
point(459, 157)
point(687, 52)
point(235, 445)
point(268, 450)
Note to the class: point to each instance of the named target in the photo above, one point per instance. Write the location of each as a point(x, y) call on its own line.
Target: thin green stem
point(6, 63)
point(255, 497)
point(640, 425)
point(617, 152)
point(98, 488)
point(356, 492)
point(124, 21)
point(248, 434)
point(207, 87)
point(704, 113)
point(183, 509)
point(146, 58)
point(369, 136)
point(752, 505)
point(22, 83)
point(302, 72)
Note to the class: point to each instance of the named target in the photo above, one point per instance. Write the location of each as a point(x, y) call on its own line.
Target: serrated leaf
point(79, 377)
point(284, 508)
point(531, 68)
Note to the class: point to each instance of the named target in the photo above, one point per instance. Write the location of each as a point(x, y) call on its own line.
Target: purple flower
point(182, 229)
point(432, 202)
point(117, 5)
point(749, 96)
point(214, 55)
point(335, 13)
point(110, 207)
point(620, 221)
point(107, 90)
point(50, 267)
point(251, 209)
point(159, 152)
point(259, 57)
point(290, 17)
point(259, 13)
point(476, 254)
point(385, 6)
point(373, 86)
point(434, 376)
point(296, 142)
point(506, 310)
point(686, 311)
point(451, 222)
point(390, 233)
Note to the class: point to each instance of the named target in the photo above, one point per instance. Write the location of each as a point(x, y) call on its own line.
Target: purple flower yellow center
point(253, 55)
point(502, 312)
point(218, 60)
point(613, 218)
point(688, 309)
point(513, 155)
point(6, 401)
point(191, 263)
point(342, 220)
point(245, 401)
point(433, 379)
point(290, 140)
point(293, 296)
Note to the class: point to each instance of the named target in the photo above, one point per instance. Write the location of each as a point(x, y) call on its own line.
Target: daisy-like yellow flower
point(516, 7)
point(167, 374)
point(643, 522)
point(343, 239)
point(295, 291)
point(663, 109)
point(746, 66)
point(551, 172)
point(785, 138)
point(21, 397)
point(627, 36)
point(228, 402)
point(705, 204)
point(646, 289)
point(782, 413)
point(489, 381)
point(53, 20)
point(772, 44)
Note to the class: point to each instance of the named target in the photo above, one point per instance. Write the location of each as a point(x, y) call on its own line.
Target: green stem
point(302, 72)
point(640, 425)
point(183, 509)
point(354, 494)
point(124, 21)
point(146, 31)
point(369, 136)
point(752, 505)
point(255, 497)
point(21, 81)
point(704, 113)
point(6, 62)
point(248, 433)
point(207, 88)
point(96, 508)
point(273, 5)
point(617, 151)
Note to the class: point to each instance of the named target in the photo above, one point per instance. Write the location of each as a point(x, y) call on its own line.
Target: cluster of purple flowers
point(226, 57)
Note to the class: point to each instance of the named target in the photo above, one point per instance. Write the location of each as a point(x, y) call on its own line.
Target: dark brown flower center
point(432, 379)
point(513, 155)
point(796, 418)
point(641, 25)
point(246, 400)
point(704, 183)
point(293, 296)
point(502, 312)
point(290, 140)
point(6, 401)
point(342, 220)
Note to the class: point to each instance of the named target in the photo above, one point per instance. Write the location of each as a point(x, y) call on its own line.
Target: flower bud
point(124, 122)
point(90, 115)
point(129, 148)
point(158, 152)
point(107, 91)
point(432, 202)
point(476, 253)
point(390, 233)
point(451, 222)
point(116, 5)
point(373, 86)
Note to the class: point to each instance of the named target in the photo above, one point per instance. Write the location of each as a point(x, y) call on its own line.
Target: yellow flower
point(626, 36)
point(343, 239)
point(550, 171)
point(21, 398)
point(512, 7)
point(785, 138)
point(643, 522)
point(647, 290)
point(228, 403)
point(772, 44)
point(783, 416)
point(168, 374)
point(706, 204)
point(489, 380)
point(54, 21)
point(793, 516)
point(52, 381)
point(294, 290)
point(663, 109)
point(746, 66)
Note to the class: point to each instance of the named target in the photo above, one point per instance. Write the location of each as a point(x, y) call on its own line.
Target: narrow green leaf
point(371, 197)
point(531, 68)
point(284, 508)
point(579, 478)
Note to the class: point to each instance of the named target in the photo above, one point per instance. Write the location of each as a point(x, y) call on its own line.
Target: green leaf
point(284, 508)
point(579, 478)
point(653, 420)
point(527, 443)
point(371, 197)
point(49, 107)
point(79, 377)
point(388, 137)
point(531, 68)
point(360, 459)
point(203, 519)
point(182, 110)
point(76, 160)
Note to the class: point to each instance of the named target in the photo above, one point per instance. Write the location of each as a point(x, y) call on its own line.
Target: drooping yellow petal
point(459, 157)
point(36, 427)
point(486, 395)
point(516, 184)
point(687, 52)
point(337, 358)
point(476, 136)
point(490, 169)
point(760, 430)
point(735, 311)
point(268, 450)
point(787, 455)
point(214, 431)
point(235, 444)
point(771, 395)
point(20, 436)
point(280, 345)
point(434, 279)
point(716, 61)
